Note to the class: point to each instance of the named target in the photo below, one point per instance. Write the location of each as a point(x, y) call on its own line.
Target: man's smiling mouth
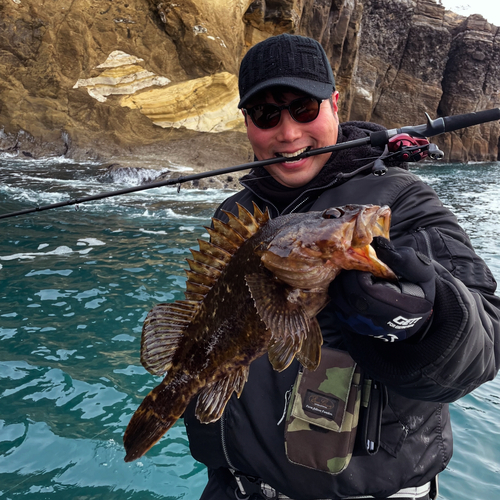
point(292, 155)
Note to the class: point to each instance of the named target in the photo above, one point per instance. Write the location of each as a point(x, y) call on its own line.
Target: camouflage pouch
point(322, 416)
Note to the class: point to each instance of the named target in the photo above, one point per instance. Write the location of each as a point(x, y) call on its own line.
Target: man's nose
point(288, 129)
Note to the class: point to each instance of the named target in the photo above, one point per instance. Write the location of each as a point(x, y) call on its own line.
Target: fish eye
point(332, 213)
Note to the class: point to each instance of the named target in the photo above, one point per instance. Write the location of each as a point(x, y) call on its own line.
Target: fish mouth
point(369, 223)
point(292, 155)
point(312, 253)
point(374, 265)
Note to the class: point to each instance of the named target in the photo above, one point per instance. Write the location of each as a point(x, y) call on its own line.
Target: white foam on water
point(44, 161)
point(166, 213)
point(90, 241)
point(61, 251)
point(147, 231)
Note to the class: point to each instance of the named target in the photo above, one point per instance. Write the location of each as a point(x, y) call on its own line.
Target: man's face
point(292, 138)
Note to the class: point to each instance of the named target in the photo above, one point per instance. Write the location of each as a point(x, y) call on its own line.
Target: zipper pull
point(288, 395)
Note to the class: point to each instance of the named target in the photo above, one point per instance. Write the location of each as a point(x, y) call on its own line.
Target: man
point(426, 342)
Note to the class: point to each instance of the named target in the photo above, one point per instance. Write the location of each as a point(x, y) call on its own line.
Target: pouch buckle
point(250, 485)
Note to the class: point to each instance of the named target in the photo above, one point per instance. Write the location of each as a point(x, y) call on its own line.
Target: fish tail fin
point(142, 433)
point(148, 425)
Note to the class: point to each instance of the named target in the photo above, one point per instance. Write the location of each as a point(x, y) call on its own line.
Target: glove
point(390, 311)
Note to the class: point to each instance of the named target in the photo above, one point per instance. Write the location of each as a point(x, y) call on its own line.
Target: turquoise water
point(75, 288)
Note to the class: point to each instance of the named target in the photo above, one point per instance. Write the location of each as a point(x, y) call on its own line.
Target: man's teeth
point(293, 155)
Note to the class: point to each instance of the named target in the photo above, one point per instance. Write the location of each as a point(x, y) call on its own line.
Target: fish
point(254, 288)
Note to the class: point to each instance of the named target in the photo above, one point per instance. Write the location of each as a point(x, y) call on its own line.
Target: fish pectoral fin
point(161, 333)
point(285, 312)
point(282, 351)
point(280, 315)
point(213, 398)
point(310, 351)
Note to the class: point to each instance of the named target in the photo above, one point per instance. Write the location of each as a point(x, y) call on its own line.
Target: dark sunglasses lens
point(304, 110)
point(265, 115)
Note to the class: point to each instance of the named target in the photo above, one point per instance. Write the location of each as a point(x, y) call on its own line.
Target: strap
point(250, 485)
point(412, 493)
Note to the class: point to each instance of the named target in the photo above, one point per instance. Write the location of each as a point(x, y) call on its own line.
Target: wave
point(121, 173)
point(130, 175)
point(31, 188)
point(43, 161)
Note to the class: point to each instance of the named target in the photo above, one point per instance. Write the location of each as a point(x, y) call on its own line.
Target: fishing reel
point(404, 147)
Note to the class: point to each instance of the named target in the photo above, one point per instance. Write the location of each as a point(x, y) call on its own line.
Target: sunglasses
point(302, 110)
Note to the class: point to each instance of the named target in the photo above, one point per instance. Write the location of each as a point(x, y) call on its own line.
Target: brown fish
point(255, 288)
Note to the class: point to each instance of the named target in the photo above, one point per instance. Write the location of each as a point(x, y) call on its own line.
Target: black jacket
point(460, 351)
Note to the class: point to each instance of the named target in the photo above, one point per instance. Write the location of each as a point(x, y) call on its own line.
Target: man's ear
point(334, 101)
point(246, 117)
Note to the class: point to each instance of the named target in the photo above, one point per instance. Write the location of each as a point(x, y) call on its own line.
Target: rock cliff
point(108, 79)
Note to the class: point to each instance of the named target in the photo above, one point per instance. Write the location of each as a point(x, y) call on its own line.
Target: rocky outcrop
point(157, 79)
point(471, 82)
point(416, 58)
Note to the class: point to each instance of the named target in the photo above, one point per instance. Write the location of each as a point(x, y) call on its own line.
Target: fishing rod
point(381, 138)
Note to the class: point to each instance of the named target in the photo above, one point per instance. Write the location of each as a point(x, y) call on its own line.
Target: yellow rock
point(208, 104)
point(123, 74)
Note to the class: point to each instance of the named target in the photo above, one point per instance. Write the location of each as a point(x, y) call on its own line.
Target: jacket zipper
point(298, 205)
point(223, 440)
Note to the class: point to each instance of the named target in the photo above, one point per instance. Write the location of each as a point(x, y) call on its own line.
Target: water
point(76, 286)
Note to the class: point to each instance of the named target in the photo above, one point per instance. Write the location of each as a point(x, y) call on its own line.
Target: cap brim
point(319, 90)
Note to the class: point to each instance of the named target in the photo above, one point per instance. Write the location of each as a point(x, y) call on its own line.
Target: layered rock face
point(104, 79)
point(107, 79)
point(416, 58)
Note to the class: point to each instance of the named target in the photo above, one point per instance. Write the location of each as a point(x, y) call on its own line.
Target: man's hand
point(387, 310)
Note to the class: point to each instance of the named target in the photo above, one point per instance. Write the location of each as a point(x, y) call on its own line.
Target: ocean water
point(76, 285)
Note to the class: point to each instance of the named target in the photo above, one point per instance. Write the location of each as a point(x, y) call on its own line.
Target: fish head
point(311, 249)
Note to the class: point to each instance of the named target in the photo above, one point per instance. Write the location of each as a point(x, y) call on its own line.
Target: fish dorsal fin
point(260, 217)
point(245, 224)
point(229, 233)
point(220, 240)
point(284, 311)
point(210, 260)
point(213, 398)
point(238, 225)
point(161, 333)
point(204, 271)
point(209, 249)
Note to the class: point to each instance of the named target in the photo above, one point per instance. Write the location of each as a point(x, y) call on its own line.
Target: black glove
point(387, 310)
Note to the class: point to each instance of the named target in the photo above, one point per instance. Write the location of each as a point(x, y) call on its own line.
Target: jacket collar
point(286, 200)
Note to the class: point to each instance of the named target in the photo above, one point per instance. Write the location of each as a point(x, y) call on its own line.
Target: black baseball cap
point(294, 61)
